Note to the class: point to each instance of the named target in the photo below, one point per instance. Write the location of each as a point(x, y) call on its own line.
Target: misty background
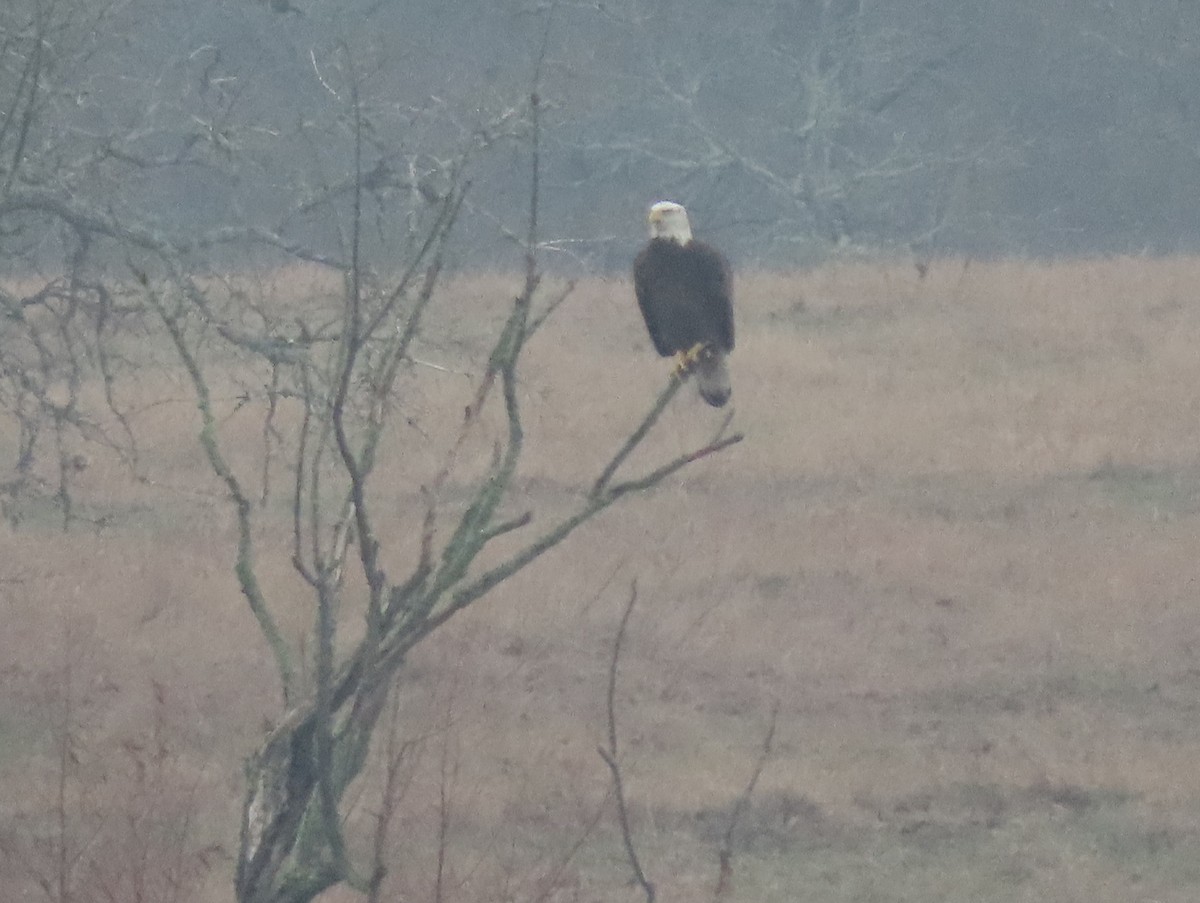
point(792, 129)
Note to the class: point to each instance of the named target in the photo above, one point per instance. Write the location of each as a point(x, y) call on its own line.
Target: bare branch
point(246, 559)
point(593, 505)
point(659, 474)
point(610, 754)
point(508, 526)
point(636, 437)
point(536, 323)
point(725, 853)
point(395, 785)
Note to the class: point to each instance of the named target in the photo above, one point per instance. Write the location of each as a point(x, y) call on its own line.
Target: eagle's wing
point(717, 283)
point(644, 288)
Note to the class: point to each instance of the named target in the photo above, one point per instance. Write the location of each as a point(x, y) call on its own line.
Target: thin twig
point(246, 559)
point(447, 783)
point(394, 788)
point(552, 881)
point(725, 853)
point(554, 304)
point(270, 434)
point(609, 755)
point(659, 474)
point(636, 437)
point(508, 526)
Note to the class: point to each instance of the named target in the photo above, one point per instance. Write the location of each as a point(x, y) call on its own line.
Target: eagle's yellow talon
point(685, 361)
point(680, 369)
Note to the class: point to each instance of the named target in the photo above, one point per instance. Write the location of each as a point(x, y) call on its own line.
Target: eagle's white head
point(670, 220)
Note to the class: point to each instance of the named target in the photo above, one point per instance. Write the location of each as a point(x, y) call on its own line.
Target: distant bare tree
point(785, 122)
point(55, 316)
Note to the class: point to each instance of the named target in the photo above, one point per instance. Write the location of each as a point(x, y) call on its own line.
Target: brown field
point(960, 545)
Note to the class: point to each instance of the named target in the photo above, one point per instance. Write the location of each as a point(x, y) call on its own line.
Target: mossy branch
point(245, 562)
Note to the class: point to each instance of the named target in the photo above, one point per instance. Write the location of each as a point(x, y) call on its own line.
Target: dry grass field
point(960, 545)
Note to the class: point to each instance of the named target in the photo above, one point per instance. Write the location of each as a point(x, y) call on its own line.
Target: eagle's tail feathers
point(712, 377)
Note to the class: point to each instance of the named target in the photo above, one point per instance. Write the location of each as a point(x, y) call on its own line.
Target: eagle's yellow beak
point(656, 216)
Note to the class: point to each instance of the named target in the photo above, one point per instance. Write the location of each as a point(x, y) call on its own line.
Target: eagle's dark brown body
point(685, 293)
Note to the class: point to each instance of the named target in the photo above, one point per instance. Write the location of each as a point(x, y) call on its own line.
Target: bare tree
point(292, 826)
point(124, 290)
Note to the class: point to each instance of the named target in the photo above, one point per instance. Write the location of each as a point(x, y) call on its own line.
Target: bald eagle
point(684, 289)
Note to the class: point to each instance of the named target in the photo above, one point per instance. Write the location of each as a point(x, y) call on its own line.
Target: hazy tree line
point(795, 128)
